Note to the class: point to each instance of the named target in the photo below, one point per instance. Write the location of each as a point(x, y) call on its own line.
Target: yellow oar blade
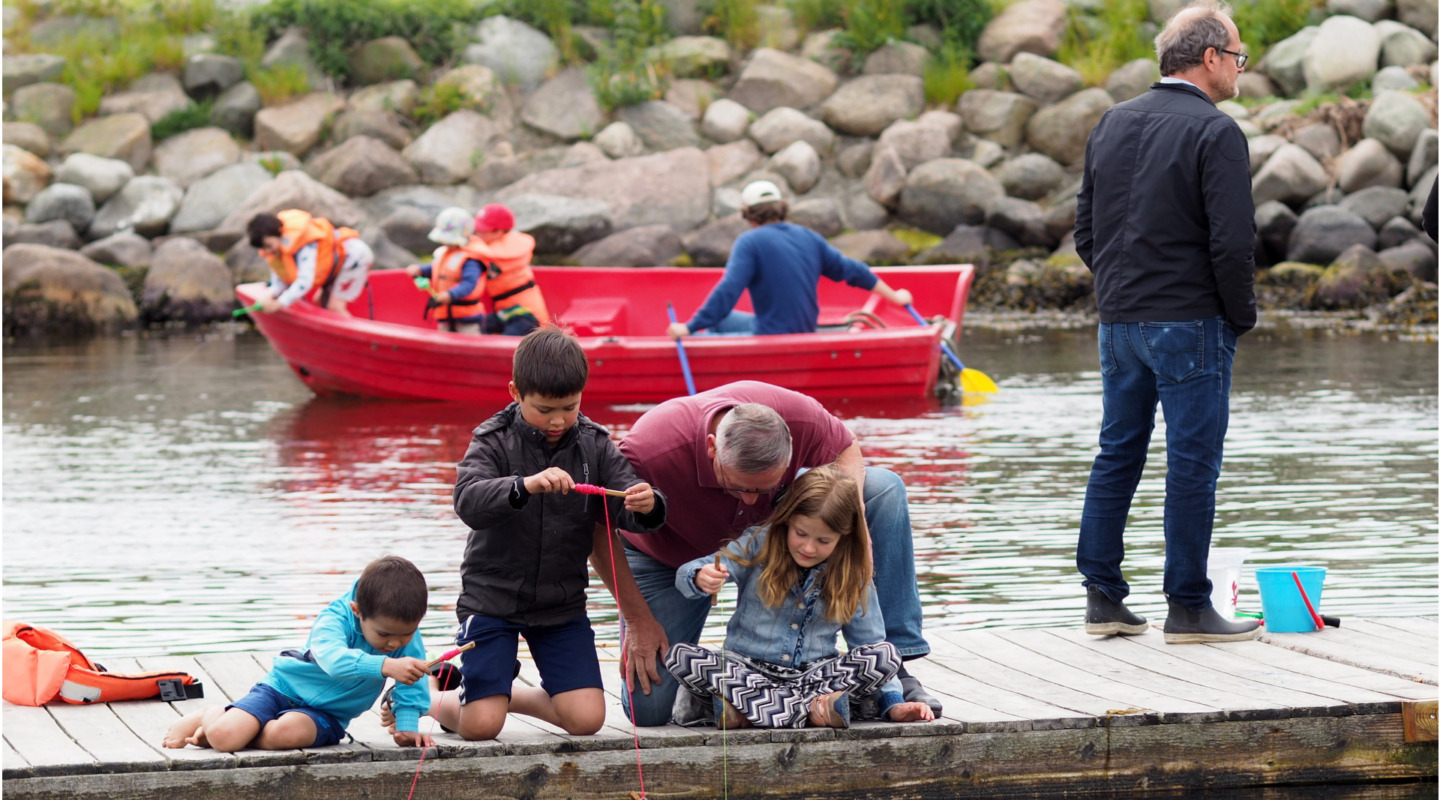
point(973, 380)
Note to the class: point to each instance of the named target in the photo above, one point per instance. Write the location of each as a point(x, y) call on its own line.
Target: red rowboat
point(388, 349)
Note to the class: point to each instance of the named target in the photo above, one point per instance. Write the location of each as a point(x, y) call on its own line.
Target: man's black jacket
point(1165, 218)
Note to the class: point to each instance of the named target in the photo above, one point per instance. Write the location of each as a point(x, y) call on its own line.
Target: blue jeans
point(736, 323)
point(887, 514)
point(1185, 368)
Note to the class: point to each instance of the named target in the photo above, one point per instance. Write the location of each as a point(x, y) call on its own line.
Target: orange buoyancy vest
point(447, 270)
point(298, 229)
point(509, 280)
point(40, 664)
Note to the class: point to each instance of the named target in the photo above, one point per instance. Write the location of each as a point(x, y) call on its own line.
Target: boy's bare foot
point(183, 732)
point(911, 712)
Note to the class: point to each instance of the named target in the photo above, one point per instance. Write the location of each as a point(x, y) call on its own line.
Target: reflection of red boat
point(389, 350)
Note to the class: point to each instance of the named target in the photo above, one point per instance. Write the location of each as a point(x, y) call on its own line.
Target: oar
point(240, 312)
point(971, 380)
point(680, 348)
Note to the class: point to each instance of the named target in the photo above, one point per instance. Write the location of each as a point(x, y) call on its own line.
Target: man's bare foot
point(183, 731)
point(911, 712)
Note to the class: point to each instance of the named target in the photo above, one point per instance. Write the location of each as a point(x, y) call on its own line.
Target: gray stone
point(855, 159)
point(779, 127)
point(361, 166)
point(49, 290)
point(947, 121)
point(1284, 62)
point(236, 107)
point(560, 224)
point(1368, 163)
point(1402, 45)
point(1319, 139)
point(564, 106)
point(692, 96)
point(499, 168)
point(274, 161)
point(1418, 14)
point(294, 189)
point(30, 68)
point(710, 246)
point(916, 141)
point(1395, 119)
point(410, 227)
point(296, 126)
point(772, 79)
point(62, 201)
point(1060, 131)
point(145, 205)
point(981, 151)
point(385, 59)
point(822, 48)
point(897, 58)
point(684, 17)
point(777, 27)
point(122, 136)
point(1368, 10)
point(696, 56)
point(1419, 193)
point(725, 121)
point(670, 188)
point(1346, 51)
point(1022, 219)
point(293, 48)
point(1414, 257)
point(1045, 80)
point(27, 136)
point(48, 105)
point(619, 140)
point(990, 75)
point(154, 99)
point(946, 192)
point(963, 245)
point(1356, 279)
point(1290, 175)
point(1031, 26)
point(1396, 232)
point(245, 263)
point(187, 157)
point(1132, 79)
point(730, 161)
point(453, 147)
point(518, 54)
point(1377, 205)
point(1422, 156)
point(659, 125)
point(124, 249)
point(1392, 79)
point(25, 174)
point(382, 125)
point(879, 247)
point(1030, 176)
point(998, 116)
point(102, 177)
point(885, 178)
point(582, 153)
point(1274, 222)
point(399, 97)
point(819, 214)
point(1254, 85)
point(53, 233)
point(1324, 232)
point(58, 29)
point(864, 214)
point(1265, 145)
point(207, 74)
point(646, 246)
point(480, 87)
point(869, 104)
point(1329, 196)
point(186, 283)
point(799, 164)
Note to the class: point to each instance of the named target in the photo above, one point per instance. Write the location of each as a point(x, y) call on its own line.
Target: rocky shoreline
point(108, 227)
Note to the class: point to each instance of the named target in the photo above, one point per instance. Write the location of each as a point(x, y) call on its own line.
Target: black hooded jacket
point(1165, 217)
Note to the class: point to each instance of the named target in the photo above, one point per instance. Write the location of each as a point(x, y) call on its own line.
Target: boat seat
point(595, 316)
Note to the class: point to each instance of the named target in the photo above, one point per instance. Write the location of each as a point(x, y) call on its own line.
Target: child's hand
point(411, 739)
point(711, 577)
point(404, 670)
point(413, 270)
point(911, 712)
point(551, 480)
point(640, 498)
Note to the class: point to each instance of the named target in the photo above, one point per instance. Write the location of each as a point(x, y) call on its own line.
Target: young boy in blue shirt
point(525, 566)
point(309, 697)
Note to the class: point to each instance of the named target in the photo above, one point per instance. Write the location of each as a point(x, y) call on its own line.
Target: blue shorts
point(266, 703)
point(565, 654)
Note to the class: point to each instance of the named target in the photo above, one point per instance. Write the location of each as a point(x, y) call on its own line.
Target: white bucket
point(1224, 574)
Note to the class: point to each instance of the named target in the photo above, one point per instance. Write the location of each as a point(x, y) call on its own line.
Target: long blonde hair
point(832, 497)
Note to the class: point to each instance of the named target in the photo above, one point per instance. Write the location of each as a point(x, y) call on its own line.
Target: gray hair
point(752, 438)
point(1187, 36)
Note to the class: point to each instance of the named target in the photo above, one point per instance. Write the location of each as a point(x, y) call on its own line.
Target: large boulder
point(660, 125)
point(1132, 79)
point(362, 166)
point(1423, 156)
point(294, 189)
point(1368, 163)
point(799, 164)
point(145, 205)
point(671, 188)
point(62, 201)
point(103, 177)
point(897, 58)
point(453, 147)
point(1418, 14)
point(236, 107)
point(725, 121)
point(1290, 175)
point(779, 127)
point(917, 141)
point(1284, 62)
point(122, 136)
point(819, 214)
point(1274, 222)
point(1023, 220)
point(696, 56)
point(210, 199)
point(153, 96)
point(1060, 131)
point(772, 79)
point(26, 136)
point(868, 104)
point(1324, 232)
point(481, 88)
point(1377, 205)
point(296, 126)
point(25, 174)
point(710, 246)
point(31, 68)
point(245, 263)
point(53, 233)
point(186, 283)
point(386, 59)
point(1402, 45)
point(1030, 176)
point(565, 107)
point(519, 54)
point(872, 247)
point(730, 161)
point(208, 74)
point(49, 290)
point(123, 249)
point(560, 224)
point(946, 192)
point(399, 96)
point(48, 105)
point(645, 246)
point(1357, 278)
point(293, 47)
point(884, 180)
point(1395, 119)
point(382, 125)
point(190, 156)
point(1044, 79)
point(998, 116)
point(1346, 51)
point(1031, 26)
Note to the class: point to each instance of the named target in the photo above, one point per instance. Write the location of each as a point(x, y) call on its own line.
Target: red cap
point(495, 217)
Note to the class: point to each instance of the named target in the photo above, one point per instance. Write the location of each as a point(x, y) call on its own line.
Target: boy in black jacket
point(524, 571)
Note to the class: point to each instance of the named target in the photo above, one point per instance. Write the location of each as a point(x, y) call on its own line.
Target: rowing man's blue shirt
point(781, 265)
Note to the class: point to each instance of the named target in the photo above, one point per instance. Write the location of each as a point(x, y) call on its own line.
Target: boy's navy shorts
point(565, 654)
point(265, 703)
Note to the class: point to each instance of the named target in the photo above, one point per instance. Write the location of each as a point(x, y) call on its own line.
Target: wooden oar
point(680, 348)
point(971, 380)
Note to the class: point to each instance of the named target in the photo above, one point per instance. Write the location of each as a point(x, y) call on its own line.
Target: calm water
point(187, 494)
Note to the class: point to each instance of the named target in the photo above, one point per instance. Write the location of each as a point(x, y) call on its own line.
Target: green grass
point(869, 25)
point(1096, 46)
point(947, 76)
point(279, 83)
point(736, 21)
point(441, 100)
point(195, 115)
point(625, 73)
point(1263, 23)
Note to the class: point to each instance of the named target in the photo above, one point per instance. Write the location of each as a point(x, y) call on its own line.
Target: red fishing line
point(585, 488)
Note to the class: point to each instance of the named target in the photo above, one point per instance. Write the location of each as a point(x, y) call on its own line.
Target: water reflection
point(187, 494)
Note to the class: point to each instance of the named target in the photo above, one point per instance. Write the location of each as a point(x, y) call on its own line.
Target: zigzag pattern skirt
point(772, 696)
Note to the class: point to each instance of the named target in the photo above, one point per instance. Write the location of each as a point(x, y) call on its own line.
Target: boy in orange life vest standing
point(457, 274)
point(305, 253)
point(518, 305)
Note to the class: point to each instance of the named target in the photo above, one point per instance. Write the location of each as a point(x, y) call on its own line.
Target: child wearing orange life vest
point(518, 305)
point(457, 275)
point(308, 252)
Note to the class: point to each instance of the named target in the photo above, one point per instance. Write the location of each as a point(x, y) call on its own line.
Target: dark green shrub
point(435, 28)
point(195, 115)
point(1263, 23)
point(625, 73)
point(960, 21)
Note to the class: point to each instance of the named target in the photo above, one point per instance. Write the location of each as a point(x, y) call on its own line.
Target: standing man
point(724, 457)
point(1166, 223)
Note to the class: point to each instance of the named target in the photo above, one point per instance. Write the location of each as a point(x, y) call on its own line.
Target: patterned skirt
point(773, 696)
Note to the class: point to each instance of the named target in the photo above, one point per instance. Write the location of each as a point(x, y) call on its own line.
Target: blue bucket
point(1285, 611)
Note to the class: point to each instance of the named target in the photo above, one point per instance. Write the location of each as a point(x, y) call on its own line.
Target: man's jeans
point(887, 514)
point(1185, 367)
point(736, 323)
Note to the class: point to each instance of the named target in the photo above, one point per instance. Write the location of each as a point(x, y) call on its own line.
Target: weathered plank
point(998, 687)
point(151, 721)
point(1421, 636)
point(1378, 640)
point(15, 765)
point(47, 748)
point(1325, 669)
point(1338, 645)
point(102, 734)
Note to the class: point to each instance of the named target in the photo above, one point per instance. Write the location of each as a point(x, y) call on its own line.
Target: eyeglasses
point(725, 483)
point(1241, 59)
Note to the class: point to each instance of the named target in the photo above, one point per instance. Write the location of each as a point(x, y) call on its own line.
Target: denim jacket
point(797, 633)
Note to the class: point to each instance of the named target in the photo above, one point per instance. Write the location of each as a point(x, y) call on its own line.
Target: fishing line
point(604, 494)
point(433, 722)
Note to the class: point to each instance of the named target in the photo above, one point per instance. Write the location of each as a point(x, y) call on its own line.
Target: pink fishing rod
point(590, 488)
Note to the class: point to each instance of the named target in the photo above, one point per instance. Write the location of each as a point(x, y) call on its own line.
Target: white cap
point(760, 192)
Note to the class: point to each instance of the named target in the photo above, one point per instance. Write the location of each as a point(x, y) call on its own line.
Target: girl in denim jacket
point(803, 577)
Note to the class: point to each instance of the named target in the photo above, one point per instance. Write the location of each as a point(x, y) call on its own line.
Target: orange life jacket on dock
point(508, 278)
point(40, 664)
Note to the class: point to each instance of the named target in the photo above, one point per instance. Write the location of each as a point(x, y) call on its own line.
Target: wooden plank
point(981, 681)
point(1365, 641)
point(970, 703)
point(1325, 669)
point(1421, 626)
point(1420, 721)
point(44, 745)
point(15, 765)
point(1417, 641)
point(102, 734)
point(150, 721)
point(1333, 644)
point(234, 674)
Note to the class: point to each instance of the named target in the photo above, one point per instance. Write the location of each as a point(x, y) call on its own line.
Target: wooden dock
point(1029, 712)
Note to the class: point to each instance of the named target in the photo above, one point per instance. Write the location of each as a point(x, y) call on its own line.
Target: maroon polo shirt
point(667, 448)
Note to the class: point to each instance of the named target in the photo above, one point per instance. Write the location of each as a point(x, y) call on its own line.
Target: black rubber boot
point(1105, 617)
point(1184, 626)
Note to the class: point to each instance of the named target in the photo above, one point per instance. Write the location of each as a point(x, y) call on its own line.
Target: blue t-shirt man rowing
point(781, 265)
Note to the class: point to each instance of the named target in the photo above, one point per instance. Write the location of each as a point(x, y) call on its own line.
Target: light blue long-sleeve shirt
point(339, 672)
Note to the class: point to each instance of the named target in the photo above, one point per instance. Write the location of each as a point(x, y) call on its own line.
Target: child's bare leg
point(190, 729)
point(290, 731)
point(578, 711)
point(228, 731)
point(477, 720)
